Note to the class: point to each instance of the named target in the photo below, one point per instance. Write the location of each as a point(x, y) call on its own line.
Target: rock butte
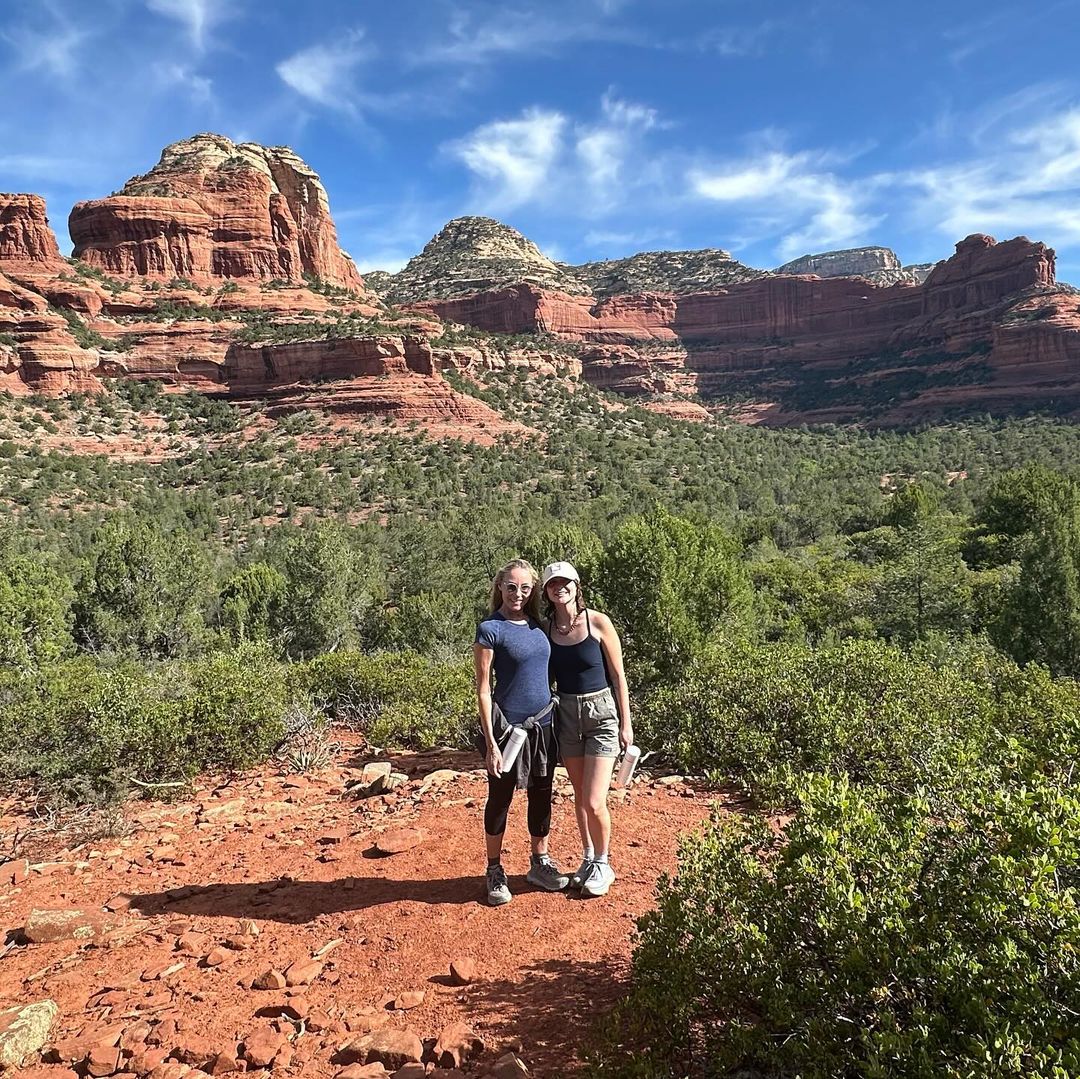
point(250, 228)
point(212, 209)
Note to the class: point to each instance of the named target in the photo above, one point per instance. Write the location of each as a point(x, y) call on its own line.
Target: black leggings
point(501, 793)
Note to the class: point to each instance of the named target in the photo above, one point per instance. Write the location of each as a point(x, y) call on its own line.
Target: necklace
point(570, 628)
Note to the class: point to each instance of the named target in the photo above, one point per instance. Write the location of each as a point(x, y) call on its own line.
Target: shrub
point(878, 939)
point(395, 698)
point(864, 710)
point(35, 612)
point(78, 726)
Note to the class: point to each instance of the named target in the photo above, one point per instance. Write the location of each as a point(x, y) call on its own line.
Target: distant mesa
point(212, 209)
point(877, 264)
point(479, 254)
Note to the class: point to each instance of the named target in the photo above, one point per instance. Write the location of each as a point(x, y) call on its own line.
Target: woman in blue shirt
point(512, 645)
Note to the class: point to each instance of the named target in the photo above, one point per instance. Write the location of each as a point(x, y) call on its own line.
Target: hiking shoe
point(599, 880)
point(581, 873)
point(545, 874)
point(498, 890)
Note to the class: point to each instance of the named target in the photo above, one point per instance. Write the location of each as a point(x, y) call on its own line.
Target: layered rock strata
point(878, 264)
point(213, 209)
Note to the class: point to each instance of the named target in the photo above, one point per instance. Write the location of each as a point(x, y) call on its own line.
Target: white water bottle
point(512, 748)
point(629, 763)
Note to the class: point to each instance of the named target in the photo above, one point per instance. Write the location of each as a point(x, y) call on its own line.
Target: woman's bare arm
point(612, 646)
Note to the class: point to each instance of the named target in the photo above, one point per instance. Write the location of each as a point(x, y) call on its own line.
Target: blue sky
point(596, 127)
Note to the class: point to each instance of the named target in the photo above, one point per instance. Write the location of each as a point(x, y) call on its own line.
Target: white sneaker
point(581, 872)
point(545, 874)
point(599, 880)
point(498, 890)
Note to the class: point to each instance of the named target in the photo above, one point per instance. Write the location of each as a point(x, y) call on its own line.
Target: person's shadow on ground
point(297, 901)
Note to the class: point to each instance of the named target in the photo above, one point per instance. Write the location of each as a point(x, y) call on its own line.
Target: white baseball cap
point(558, 569)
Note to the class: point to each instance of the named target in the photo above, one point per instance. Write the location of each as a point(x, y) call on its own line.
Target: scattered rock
point(216, 810)
point(670, 781)
point(215, 957)
point(269, 979)
point(261, 1048)
point(411, 1071)
point(405, 1001)
point(103, 1060)
point(373, 780)
point(457, 1043)
point(46, 926)
point(303, 972)
point(463, 971)
point(391, 1048)
point(436, 778)
point(362, 1071)
point(222, 1064)
point(25, 1030)
point(508, 1066)
point(398, 840)
point(161, 970)
point(191, 943)
point(119, 903)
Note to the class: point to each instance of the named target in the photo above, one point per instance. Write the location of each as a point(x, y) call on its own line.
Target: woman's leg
point(500, 795)
point(596, 779)
point(575, 769)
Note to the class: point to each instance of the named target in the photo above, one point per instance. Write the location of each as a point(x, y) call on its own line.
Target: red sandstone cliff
point(212, 209)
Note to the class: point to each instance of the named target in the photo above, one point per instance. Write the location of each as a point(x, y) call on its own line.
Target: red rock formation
point(213, 209)
point(751, 329)
point(27, 242)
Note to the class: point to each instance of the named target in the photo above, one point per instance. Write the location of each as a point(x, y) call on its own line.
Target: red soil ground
point(294, 854)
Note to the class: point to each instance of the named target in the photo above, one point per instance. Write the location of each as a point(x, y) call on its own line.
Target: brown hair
point(531, 606)
point(579, 601)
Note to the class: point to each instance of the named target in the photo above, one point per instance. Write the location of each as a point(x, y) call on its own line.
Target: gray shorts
point(588, 724)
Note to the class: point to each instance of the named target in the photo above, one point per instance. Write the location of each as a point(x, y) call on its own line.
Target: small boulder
point(262, 1047)
point(391, 1048)
point(373, 780)
point(405, 1001)
point(463, 971)
point(302, 972)
point(362, 1071)
point(25, 1030)
point(411, 1071)
point(508, 1066)
point(457, 1043)
point(269, 979)
point(46, 926)
point(398, 840)
point(103, 1060)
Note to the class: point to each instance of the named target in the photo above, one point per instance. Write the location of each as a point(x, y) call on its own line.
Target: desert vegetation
point(874, 635)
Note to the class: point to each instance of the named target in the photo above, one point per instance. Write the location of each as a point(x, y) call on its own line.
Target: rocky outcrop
point(877, 264)
point(27, 241)
point(475, 254)
point(213, 209)
point(664, 271)
point(817, 348)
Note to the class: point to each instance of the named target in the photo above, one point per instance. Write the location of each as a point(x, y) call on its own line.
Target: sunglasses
point(523, 589)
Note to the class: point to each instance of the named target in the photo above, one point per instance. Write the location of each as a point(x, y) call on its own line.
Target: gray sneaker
point(545, 874)
point(498, 890)
point(599, 880)
point(582, 871)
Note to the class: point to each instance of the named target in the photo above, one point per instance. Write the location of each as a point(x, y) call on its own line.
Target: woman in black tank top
point(593, 716)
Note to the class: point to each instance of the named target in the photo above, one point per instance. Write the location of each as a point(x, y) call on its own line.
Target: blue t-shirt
point(521, 654)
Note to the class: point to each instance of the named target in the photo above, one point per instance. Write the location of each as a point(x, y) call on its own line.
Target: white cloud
point(543, 158)
point(170, 74)
point(54, 50)
point(479, 36)
point(198, 16)
point(324, 73)
point(1030, 185)
point(796, 195)
point(513, 160)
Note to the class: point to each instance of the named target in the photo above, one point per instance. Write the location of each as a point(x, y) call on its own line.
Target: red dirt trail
point(295, 855)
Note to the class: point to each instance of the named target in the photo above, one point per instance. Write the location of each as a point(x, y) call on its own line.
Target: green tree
point(251, 602)
point(35, 612)
point(670, 584)
point(144, 590)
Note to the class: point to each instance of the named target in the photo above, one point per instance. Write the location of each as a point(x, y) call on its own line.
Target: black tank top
point(579, 668)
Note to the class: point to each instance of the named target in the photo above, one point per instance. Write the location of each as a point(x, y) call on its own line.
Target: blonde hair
point(531, 606)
